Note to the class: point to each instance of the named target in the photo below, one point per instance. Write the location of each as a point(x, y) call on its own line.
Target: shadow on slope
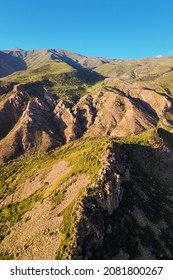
point(141, 227)
point(10, 64)
point(88, 74)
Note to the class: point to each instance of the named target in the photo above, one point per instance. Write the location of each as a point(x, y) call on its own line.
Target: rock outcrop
point(26, 123)
point(109, 187)
point(102, 199)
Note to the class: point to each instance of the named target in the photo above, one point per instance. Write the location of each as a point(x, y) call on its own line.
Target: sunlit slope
point(35, 192)
point(96, 198)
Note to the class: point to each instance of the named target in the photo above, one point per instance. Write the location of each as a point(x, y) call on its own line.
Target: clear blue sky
point(111, 28)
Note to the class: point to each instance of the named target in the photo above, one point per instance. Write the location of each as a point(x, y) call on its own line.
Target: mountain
point(86, 156)
point(9, 64)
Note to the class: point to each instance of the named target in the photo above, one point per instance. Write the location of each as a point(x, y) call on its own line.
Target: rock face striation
point(63, 96)
point(109, 187)
point(92, 213)
point(26, 123)
point(32, 120)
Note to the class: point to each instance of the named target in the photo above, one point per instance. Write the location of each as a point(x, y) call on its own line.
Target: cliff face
point(109, 187)
point(126, 213)
point(26, 123)
point(95, 209)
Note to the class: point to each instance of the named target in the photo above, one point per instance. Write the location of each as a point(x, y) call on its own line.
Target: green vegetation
point(8, 177)
point(147, 138)
point(5, 256)
point(67, 229)
point(84, 157)
point(117, 69)
point(58, 78)
point(14, 212)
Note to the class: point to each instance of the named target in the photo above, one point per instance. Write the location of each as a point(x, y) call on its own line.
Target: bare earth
point(37, 235)
point(29, 187)
point(24, 191)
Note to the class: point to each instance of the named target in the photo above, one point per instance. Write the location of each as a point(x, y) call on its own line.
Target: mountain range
point(86, 156)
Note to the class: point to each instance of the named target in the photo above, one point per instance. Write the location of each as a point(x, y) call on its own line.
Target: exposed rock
point(128, 109)
point(49, 99)
point(28, 124)
point(133, 75)
point(106, 114)
point(102, 199)
point(18, 88)
point(109, 188)
point(65, 121)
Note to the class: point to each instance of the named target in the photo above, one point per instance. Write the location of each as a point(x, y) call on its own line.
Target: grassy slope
point(145, 69)
point(56, 77)
point(83, 155)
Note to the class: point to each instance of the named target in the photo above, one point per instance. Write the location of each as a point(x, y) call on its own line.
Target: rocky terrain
point(85, 156)
point(102, 199)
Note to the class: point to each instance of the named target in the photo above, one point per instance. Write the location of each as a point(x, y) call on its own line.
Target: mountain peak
point(16, 49)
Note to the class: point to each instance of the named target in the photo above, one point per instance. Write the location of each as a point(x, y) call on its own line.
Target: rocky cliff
point(93, 211)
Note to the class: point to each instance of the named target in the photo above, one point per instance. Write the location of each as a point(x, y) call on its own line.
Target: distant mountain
point(86, 156)
point(10, 64)
point(148, 68)
point(36, 57)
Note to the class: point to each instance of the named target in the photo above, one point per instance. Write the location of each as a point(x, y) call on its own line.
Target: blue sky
point(111, 28)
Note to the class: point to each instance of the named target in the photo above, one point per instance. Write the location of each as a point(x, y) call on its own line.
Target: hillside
point(93, 198)
point(85, 156)
point(9, 64)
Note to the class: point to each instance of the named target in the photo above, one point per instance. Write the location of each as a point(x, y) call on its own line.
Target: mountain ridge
point(86, 156)
point(61, 97)
point(89, 62)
